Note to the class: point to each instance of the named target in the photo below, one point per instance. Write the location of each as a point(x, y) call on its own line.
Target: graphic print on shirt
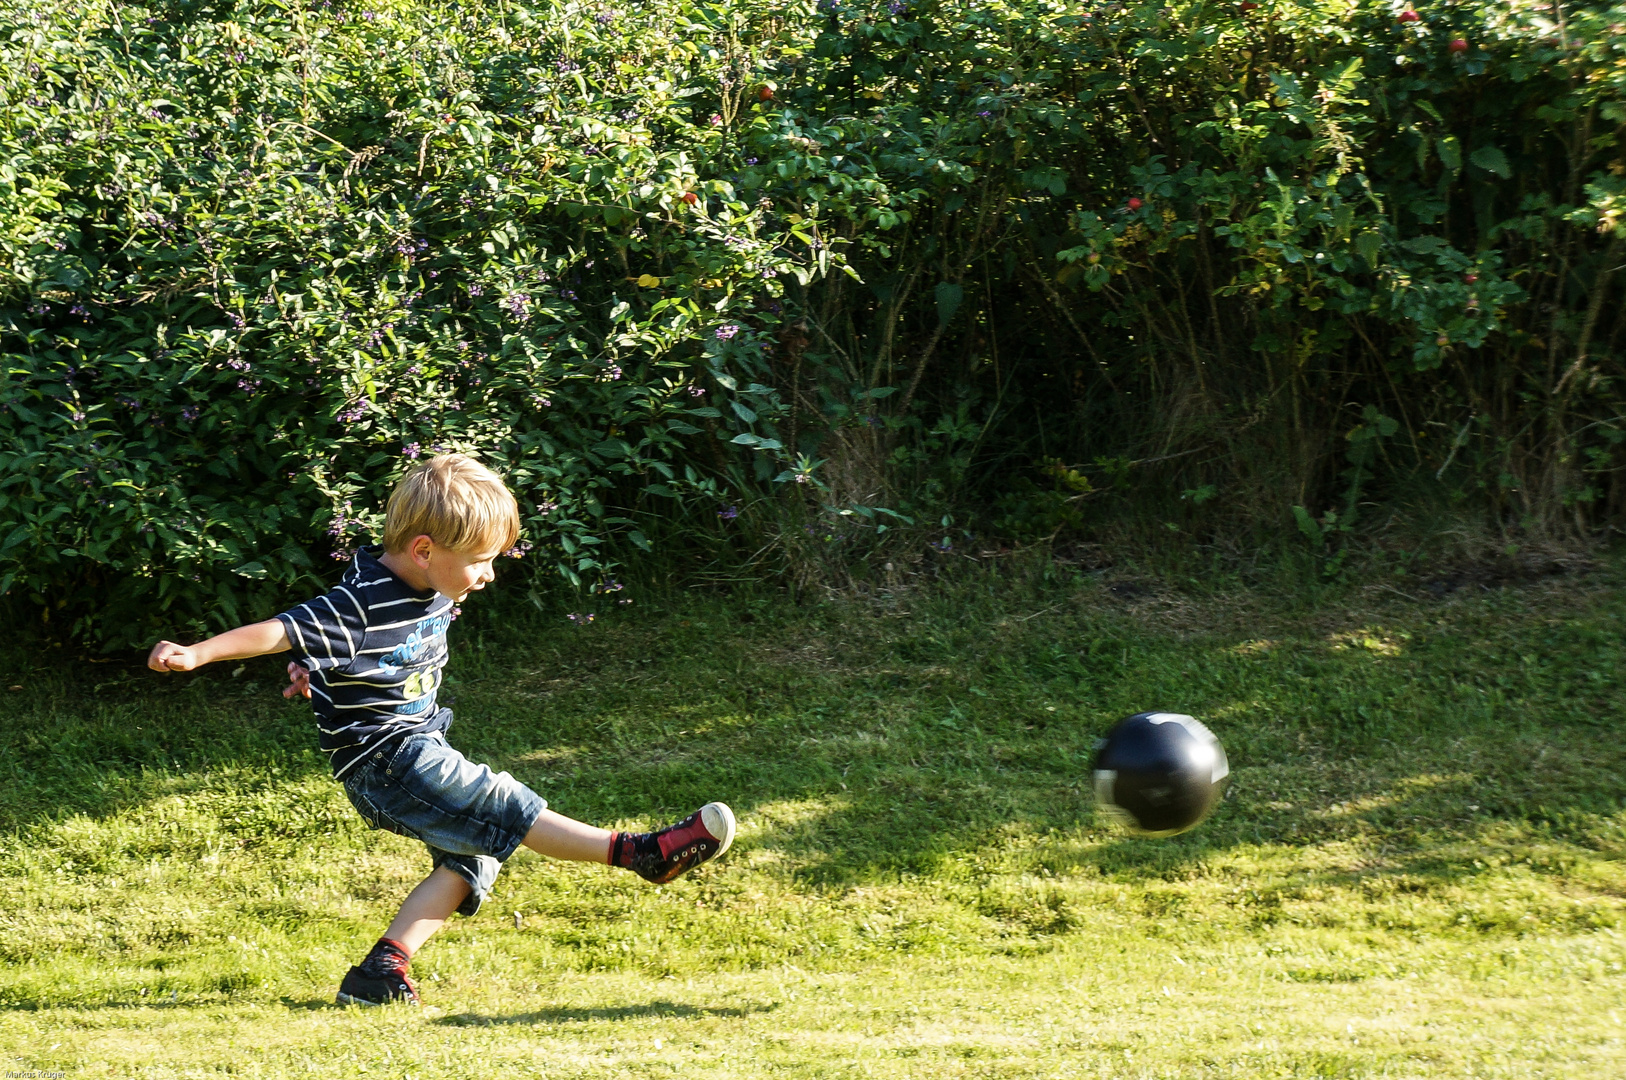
point(428, 639)
point(429, 633)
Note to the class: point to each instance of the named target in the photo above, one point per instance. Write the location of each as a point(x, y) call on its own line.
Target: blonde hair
point(455, 501)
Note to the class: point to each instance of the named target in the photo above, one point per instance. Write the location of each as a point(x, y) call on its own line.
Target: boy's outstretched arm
point(255, 639)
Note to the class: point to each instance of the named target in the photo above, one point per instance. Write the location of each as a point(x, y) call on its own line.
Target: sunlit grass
point(1418, 872)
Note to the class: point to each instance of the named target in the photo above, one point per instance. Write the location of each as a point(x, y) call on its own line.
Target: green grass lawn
point(1417, 872)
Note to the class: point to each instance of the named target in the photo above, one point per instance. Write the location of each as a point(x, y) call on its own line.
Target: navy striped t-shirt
point(374, 647)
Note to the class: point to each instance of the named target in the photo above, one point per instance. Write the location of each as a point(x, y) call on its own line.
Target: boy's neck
point(401, 565)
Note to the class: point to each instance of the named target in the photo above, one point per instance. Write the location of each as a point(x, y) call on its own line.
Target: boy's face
point(454, 573)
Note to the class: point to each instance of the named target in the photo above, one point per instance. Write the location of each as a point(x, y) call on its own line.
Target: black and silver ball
point(1159, 773)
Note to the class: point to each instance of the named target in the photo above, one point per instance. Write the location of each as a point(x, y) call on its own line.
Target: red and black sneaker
point(360, 988)
point(380, 978)
point(675, 850)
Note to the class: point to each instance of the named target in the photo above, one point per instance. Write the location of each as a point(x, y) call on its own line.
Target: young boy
point(369, 656)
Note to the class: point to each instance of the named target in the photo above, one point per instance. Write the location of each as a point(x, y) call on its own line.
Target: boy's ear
point(418, 548)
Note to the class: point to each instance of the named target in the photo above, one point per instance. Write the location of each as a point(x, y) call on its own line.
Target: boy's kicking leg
point(658, 856)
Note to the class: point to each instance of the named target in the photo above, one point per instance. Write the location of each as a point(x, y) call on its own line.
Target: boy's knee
point(478, 872)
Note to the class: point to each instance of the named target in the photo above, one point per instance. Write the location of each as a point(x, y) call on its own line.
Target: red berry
point(1470, 278)
point(765, 93)
point(1247, 6)
point(1409, 16)
point(1134, 204)
point(1460, 45)
point(690, 197)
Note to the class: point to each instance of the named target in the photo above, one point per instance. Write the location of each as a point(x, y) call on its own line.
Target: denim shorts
point(469, 817)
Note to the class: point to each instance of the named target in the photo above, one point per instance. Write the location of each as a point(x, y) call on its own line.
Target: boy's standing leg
point(382, 974)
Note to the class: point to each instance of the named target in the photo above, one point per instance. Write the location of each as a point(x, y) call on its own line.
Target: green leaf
point(1307, 524)
point(1492, 160)
point(1368, 244)
point(1450, 148)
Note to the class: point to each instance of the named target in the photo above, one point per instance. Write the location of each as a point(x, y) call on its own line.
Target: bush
point(260, 256)
point(659, 266)
point(1283, 255)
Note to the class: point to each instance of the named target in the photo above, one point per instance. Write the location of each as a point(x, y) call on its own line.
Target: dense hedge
point(259, 255)
point(1283, 260)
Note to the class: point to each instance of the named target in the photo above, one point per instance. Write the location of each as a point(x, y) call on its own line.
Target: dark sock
point(387, 958)
point(629, 850)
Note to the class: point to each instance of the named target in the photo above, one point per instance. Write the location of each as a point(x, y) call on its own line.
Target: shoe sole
point(719, 821)
point(348, 999)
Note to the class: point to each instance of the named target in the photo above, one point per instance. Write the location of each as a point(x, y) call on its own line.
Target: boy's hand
point(300, 680)
point(256, 639)
point(168, 656)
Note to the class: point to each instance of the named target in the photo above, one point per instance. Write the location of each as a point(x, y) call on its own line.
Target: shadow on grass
point(665, 1010)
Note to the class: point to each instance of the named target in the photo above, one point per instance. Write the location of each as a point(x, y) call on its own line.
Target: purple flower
point(518, 550)
point(729, 513)
point(716, 121)
point(352, 413)
point(518, 305)
point(697, 391)
point(727, 331)
point(412, 450)
point(190, 413)
point(580, 620)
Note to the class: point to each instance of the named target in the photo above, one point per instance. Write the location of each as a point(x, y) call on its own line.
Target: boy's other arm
point(255, 639)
